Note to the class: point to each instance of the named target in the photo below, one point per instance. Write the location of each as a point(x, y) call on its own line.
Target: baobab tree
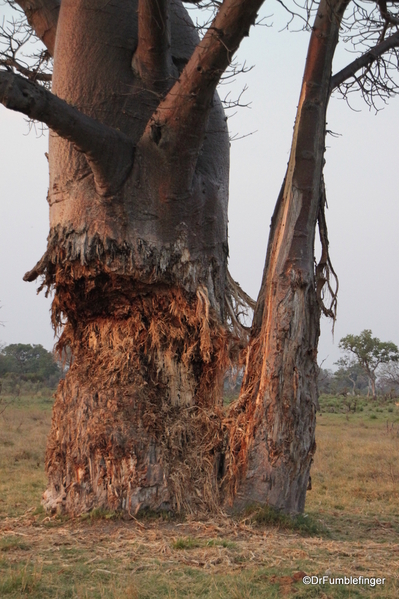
point(137, 259)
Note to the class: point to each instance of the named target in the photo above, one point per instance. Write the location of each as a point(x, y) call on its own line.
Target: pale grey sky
point(361, 188)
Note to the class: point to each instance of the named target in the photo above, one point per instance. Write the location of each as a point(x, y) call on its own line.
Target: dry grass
point(23, 433)
point(353, 503)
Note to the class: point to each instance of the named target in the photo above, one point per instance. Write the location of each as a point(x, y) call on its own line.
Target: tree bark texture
point(137, 259)
point(272, 437)
point(139, 270)
point(137, 250)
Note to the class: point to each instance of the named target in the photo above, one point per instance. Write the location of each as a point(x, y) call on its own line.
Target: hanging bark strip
point(324, 268)
point(272, 424)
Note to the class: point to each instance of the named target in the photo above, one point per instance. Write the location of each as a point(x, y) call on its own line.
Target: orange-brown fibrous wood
point(137, 421)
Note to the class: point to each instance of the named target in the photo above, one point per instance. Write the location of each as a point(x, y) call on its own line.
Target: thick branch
point(109, 152)
point(181, 117)
point(42, 16)
point(363, 61)
point(152, 59)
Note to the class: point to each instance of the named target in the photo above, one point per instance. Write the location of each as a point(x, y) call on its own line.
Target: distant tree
point(349, 370)
point(369, 353)
point(325, 380)
point(388, 379)
point(29, 361)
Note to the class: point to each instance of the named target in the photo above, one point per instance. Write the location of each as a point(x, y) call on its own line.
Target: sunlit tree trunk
point(137, 250)
point(273, 423)
point(137, 254)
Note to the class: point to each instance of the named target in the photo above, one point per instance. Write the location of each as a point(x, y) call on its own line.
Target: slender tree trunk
point(353, 381)
point(273, 423)
point(372, 384)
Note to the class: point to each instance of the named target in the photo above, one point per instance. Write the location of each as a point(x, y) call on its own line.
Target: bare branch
point(388, 17)
point(32, 75)
point(365, 60)
point(16, 38)
point(109, 152)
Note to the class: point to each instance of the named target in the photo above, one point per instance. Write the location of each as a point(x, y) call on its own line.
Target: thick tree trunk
point(139, 273)
point(137, 250)
point(273, 423)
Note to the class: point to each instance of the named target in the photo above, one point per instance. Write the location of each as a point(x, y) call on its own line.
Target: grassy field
point(350, 528)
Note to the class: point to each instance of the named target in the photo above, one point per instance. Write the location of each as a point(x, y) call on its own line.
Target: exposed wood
point(109, 152)
point(273, 422)
point(42, 16)
point(135, 423)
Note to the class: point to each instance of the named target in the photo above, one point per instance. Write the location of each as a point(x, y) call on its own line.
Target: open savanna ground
point(351, 525)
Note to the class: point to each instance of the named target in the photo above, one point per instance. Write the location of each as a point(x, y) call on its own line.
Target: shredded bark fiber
point(138, 420)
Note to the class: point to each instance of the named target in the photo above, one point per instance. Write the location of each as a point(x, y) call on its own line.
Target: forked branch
point(109, 152)
point(182, 115)
point(388, 17)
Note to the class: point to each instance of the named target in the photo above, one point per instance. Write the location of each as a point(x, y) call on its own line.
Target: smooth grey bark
point(109, 152)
